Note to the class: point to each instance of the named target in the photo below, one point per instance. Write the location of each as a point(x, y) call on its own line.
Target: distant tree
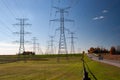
point(97, 50)
point(112, 50)
point(91, 50)
point(105, 51)
point(118, 49)
point(28, 53)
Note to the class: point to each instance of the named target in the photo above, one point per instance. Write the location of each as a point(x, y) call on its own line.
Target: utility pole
point(72, 43)
point(62, 41)
point(22, 32)
point(34, 44)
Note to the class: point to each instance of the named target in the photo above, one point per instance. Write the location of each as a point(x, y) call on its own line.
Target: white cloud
point(98, 18)
point(104, 11)
point(101, 17)
point(95, 18)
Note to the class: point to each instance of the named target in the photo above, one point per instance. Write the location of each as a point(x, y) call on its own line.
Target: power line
point(5, 3)
point(8, 8)
point(6, 26)
point(16, 3)
point(73, 3)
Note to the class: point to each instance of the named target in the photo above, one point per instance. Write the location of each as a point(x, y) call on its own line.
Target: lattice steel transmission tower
point(39, 49)
point(34, 44)
point(62, 41)
point(51, 45)
point(22, 32)
point(72, 43)
point(48, 48)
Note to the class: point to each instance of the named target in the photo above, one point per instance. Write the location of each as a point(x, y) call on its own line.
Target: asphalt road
point(111, 62)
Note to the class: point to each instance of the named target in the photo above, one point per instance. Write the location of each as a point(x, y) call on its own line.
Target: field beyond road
point(47, 68)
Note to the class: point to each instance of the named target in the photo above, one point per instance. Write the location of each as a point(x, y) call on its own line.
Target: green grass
point(49, 69)
point(103, 71)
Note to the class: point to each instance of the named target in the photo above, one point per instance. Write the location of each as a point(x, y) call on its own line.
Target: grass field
point(47, 68)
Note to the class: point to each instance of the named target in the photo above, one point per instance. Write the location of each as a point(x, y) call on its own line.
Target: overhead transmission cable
point(16, 3)
point(8, 9)
point(13, 14)
point(5, 26)
point(73, 3)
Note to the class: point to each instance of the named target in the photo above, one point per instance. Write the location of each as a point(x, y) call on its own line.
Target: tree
point(97, 50)
point(112, 50)
point(91, 50)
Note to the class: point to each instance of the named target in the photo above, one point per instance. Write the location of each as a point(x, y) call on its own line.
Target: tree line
point(97, 50)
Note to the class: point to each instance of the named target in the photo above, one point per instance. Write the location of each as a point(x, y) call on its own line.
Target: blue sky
point(96, 23)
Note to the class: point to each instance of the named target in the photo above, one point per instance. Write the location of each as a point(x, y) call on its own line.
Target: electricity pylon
point(39, 49)
point(51, 45)
point(62, 41)
point(22, 32)
point(34, 44)
point(72, 43)
point(48, 47)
